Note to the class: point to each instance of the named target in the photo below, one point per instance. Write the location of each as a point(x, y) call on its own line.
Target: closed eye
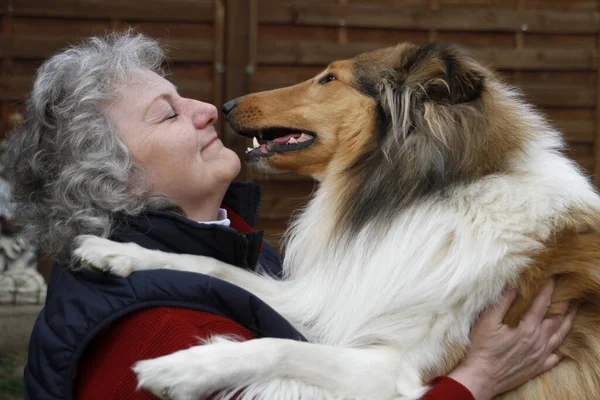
point(175, 115)
point(326, 79)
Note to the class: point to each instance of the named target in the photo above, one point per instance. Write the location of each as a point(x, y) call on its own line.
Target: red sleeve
point(104, 371)
point(445, 388)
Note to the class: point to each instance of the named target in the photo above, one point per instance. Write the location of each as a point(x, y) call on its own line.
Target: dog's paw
point(119, 259)
point(414, 392)
point(409, 385)
point(191, 374)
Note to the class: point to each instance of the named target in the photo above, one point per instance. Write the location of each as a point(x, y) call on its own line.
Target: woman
point(109, 148)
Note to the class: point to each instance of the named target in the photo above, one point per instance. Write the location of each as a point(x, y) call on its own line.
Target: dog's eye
point(327, 78)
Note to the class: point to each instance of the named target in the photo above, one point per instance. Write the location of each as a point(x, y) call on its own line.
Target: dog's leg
point(122, 259)
point(221, 364)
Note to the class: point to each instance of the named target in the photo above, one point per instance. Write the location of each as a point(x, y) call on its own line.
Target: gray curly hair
point(70, 173)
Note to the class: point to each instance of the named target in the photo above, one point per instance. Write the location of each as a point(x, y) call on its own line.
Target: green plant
point(11, 376)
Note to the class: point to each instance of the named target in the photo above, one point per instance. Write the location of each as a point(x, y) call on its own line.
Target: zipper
point(258, 204)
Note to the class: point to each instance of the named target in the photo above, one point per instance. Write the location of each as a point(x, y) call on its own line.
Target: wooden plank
point(309, 53)
point(4, 126)
point(384, 37)
point(573, 77)
point(281, 198)
point(174, 30)
point(237, 81)
point(252, 42)
point(578, 125)
point(315, 53)
point(135, 10)
point(218, 68)
point(477, 19)
point(4, 44)
point(478, 3)
point(14, 88)
point(190, 71)
point(190, 50)
point(577, 131)
point(570, 5)
point(24, 67)
point(6, 64)
point(69, 28)
point(564, 5)
point(478, 39)
point(21, 47)
point(296, 32)
point(539, 59)
point(563, 95)
point(4, 7)
point(342, 30)
point(393, 3)
point(38, 47)
point(192, 42)
point(3, 117)
point(583, 154)
point(561, 41)
point(596, 155)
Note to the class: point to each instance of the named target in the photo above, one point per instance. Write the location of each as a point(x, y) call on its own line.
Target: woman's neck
point(205, 210)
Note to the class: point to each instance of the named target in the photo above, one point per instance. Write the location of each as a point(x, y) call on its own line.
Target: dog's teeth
point(292, 140)
point(255, 142)
point(304, 137)
point(260, 134)
point(249, 149)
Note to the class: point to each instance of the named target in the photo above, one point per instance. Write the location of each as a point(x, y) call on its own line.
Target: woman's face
point(174, 140)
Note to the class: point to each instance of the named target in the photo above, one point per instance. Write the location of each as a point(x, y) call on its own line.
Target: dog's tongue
point(291, 138)
point(287, 138)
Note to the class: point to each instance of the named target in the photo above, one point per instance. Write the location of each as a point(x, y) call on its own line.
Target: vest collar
point(171, 232)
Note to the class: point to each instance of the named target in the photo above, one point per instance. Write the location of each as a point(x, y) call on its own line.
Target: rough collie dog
point(438, 188)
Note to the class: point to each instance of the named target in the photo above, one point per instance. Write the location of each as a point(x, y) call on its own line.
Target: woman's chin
point(229, 164)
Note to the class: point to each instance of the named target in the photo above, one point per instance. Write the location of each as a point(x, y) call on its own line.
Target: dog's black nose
point(229, 106)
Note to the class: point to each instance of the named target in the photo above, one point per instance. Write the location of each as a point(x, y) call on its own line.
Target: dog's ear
point(442, 73)
point(424, 77)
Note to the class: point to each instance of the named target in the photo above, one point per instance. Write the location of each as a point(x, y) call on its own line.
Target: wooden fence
point(225, 48)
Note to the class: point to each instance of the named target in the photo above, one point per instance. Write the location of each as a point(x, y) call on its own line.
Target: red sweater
point(104, 370)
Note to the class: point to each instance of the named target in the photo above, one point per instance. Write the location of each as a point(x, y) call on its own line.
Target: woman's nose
point(204, 114)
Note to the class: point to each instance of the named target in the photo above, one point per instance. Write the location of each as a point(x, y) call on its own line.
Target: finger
point(550, 362)
point(561, 333)
point(496, 314)
point(540, 305)
point(559, 308)
point(550, 327)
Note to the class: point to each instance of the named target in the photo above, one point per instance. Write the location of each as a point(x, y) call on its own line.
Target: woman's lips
point(210, 142)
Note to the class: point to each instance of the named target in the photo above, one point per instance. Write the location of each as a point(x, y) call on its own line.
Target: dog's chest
point(423, 280)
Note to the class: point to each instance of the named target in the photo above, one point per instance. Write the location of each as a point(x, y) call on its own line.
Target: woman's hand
point(502, 358)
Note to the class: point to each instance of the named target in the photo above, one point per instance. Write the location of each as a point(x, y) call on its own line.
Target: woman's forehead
point(144, 88)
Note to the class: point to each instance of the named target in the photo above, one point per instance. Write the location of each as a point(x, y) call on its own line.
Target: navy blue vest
point(81, 303)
